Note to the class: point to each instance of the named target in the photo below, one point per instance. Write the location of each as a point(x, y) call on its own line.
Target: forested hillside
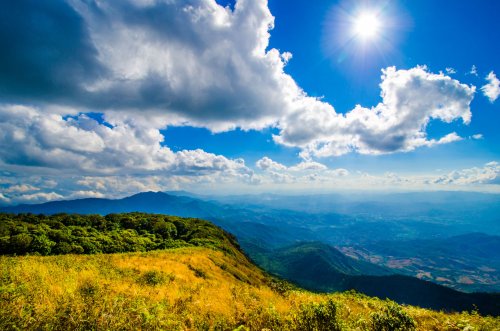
point(114, 233)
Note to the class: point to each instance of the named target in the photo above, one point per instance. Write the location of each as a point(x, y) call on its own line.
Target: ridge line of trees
point(22, 234)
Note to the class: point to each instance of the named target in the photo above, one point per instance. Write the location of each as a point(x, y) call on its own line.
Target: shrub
point(392, 318)
point(320, 316)
point(198, 272)
point(88, 289)
point(154, 277)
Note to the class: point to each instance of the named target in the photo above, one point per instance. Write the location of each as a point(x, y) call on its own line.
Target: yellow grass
point(178, 289)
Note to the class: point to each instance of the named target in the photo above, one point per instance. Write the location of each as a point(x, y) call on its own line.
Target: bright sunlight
point(367, 25)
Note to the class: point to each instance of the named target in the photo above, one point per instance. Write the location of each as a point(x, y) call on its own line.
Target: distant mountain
point(148, 202)
point(319, 267)
point(461, 210)
point(182, 193)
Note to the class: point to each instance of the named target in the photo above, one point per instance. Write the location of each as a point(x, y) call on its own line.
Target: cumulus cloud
point(267, 164)
point(281, 178)
point(300, 172)
point(30, 137)
point(198, 63)
point(449, 138)
point(480, 178)
point(308, 165)
point(492, 89)
point(22, 188)
point(39, 197)
point(189, 62)
point(410, 100)
point(82, 144)
point(86, 194)
point(487, 174)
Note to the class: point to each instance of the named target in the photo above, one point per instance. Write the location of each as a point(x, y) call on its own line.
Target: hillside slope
point(319, 267)
point(188, 289)
point(206, 284)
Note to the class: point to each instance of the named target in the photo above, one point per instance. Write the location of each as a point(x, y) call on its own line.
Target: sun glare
point(366, 25)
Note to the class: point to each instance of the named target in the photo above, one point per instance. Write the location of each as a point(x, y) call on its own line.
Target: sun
point(366, 25)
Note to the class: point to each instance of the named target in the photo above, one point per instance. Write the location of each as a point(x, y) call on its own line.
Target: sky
point(106, 98)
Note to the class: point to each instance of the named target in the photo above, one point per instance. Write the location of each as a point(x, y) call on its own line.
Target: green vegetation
point(206, 284)
point(115, 233)
point(392, 318)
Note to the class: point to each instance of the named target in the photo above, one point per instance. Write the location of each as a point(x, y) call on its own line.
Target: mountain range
point(291, 244)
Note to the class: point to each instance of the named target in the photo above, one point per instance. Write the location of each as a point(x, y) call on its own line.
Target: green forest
point(22, 234)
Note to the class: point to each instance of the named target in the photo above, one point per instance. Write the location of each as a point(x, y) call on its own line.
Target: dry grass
point(178, 289)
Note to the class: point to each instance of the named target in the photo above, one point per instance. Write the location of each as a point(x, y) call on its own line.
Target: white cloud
point(199, 162)
point(301, 172)
point(286, 56)
point(482, 178)
point(197, 63)
point(4, 199)
point(492, 89)
point(119, 186)
point(450, 71)
point(475, 175)
point(477, 136)
point(473, 70)
point(81, 144)
point(449, 138)
point(39, 197)
point(340, 172)
point(308, 165)
point(22, 188)
point(410, 100)
point(194, 63)
point(85, 194)
point(267, 164)
point(281, 178)
point(31, 138)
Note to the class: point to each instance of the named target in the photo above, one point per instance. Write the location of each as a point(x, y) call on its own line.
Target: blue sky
point(108, 99)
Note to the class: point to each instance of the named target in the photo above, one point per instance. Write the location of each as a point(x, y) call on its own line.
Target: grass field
point(189, 288)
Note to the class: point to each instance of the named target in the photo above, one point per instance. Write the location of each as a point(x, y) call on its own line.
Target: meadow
point(189, 288)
